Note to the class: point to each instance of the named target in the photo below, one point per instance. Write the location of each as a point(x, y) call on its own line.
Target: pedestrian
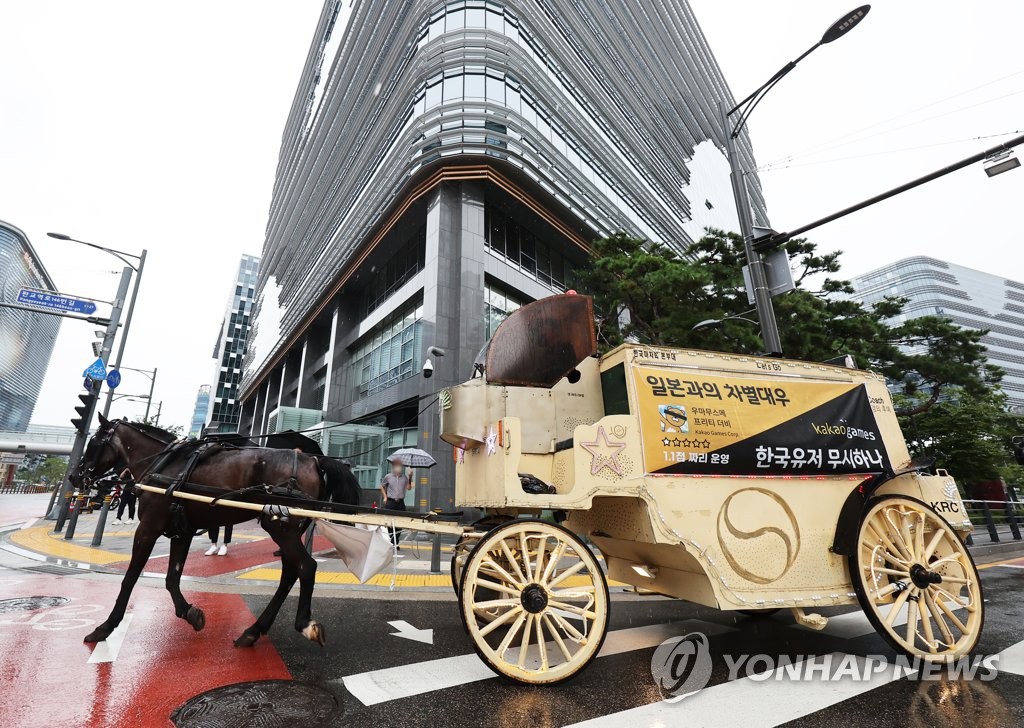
point(218, 547)
point(128, 498)
point(393, 489)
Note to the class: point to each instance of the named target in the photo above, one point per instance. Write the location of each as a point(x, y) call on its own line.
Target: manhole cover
point(266, 704)
point(27, 604)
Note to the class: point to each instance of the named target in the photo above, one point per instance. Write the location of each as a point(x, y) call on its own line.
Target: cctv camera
point(428, 369)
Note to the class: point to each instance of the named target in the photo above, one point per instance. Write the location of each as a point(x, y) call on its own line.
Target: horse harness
point(180, 526)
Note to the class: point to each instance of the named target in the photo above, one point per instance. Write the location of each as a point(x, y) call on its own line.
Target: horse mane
point(153, 431)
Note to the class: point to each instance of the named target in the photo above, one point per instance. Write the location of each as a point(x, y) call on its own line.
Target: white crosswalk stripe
point(1012, 659)
point(392, 683)
point(771, 701)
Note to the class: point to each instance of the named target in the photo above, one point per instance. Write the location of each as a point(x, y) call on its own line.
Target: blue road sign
point(55, 301)
point(113, 378)
point(97, 370)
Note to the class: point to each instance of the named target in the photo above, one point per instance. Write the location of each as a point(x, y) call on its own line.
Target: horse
point(139, 447)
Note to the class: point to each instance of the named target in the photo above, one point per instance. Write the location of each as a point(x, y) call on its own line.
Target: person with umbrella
point(399, 481)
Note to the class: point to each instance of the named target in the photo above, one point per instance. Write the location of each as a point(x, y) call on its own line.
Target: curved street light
point(712, 323)
point(758, 275)
point(123, 256)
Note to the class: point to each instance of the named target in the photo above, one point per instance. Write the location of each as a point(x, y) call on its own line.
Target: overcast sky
point(158, 125)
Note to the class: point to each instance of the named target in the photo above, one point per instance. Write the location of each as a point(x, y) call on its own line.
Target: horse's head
point(104, 451)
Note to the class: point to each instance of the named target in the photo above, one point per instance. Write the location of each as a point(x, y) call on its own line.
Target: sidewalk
point(249, 559)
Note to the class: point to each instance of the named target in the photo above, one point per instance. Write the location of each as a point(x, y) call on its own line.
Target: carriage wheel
point(916, 581)
point(535, 602)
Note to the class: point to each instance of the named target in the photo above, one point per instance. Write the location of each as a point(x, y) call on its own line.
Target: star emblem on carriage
point(604, 453)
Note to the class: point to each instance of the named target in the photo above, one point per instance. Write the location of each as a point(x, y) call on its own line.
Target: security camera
point(428, 369)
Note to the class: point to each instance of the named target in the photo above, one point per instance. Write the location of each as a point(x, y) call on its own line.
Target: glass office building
point(200, 412)
point(26, 338)
point(229, 351)
point(444, 163)
point(968, 297)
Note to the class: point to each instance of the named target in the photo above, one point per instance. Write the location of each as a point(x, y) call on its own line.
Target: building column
point(453, 318)
point(302, 373)
point(330, 359)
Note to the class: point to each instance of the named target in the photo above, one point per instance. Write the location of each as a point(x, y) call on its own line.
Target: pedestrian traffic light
point(1018, 449)
point(84, 410)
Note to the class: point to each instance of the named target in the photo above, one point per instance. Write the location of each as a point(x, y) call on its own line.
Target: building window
point(498, 304)
point(522, 248)
point(388, 354)
point(400, 268)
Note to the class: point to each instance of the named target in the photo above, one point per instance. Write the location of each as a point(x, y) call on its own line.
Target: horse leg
point(142, 547)
point(304, 622)
point(191, 614)
point(288, 576)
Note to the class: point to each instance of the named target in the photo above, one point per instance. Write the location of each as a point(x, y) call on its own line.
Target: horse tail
point(342, 485)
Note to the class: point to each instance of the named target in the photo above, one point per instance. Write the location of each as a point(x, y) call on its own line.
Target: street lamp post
point(755, 263)
point(131, 306)
point(152, 383)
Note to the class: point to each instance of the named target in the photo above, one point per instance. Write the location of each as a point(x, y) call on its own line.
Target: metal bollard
point(97, 537)
point(73, 520)
point(990, 522)
point(62, 516)
point(435, 554)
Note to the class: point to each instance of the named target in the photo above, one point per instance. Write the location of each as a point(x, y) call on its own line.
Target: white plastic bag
point(366, 551)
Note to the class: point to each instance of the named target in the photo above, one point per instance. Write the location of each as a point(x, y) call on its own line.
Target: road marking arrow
point(411, 633)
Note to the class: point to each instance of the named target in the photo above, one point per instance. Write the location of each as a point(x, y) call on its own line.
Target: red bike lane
point(46, 677)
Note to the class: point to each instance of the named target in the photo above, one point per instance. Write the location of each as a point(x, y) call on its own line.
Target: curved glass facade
point(26, 338)
point(446, 161)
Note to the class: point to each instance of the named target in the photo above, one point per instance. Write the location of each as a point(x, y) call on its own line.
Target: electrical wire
point(888, 151)
point(835, 141)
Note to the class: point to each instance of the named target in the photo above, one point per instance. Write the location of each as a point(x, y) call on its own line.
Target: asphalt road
point(156, 666)
point(364, 660)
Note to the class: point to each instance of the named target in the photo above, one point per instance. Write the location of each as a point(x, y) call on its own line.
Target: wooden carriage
point(737, 482)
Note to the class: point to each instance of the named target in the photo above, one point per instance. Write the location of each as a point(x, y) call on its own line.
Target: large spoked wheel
point(534, 601)
point(916, 581)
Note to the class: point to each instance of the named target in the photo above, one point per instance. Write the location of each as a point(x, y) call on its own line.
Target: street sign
point(97, 370)
point(55, 301)
point(113, 378)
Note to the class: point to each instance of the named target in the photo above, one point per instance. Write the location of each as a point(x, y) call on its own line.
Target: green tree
point(646, 292)
point(969, 435)
point(52, 469)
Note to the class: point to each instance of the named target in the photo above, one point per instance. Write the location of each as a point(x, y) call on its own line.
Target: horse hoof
point(246, 640)
point(196, 618)
point(315, 632)
point(97, 635)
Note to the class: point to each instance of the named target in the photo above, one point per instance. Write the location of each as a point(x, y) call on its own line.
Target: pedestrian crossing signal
point(1018, 449)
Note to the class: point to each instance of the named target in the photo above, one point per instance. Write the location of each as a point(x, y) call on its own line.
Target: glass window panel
point(495, 20)
point(475, 86)
point(475, 18)
point(512, 240)
point(513, 99)
point(455, 20)
point(433, 94)
point(452, 88)
point(495, 90)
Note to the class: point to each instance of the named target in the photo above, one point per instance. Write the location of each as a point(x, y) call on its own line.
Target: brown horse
point(138, 447)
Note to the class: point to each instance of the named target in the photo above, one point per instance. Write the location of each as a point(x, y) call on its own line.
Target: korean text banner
point(732, 425)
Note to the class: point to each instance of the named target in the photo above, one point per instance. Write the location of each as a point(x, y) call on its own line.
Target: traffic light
point(84, 410)
point(1018, 449)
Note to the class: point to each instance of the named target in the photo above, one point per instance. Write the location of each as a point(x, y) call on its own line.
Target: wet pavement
point(157, 667)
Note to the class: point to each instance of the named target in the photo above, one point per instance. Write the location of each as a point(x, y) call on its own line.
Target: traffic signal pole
point(59, 509)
